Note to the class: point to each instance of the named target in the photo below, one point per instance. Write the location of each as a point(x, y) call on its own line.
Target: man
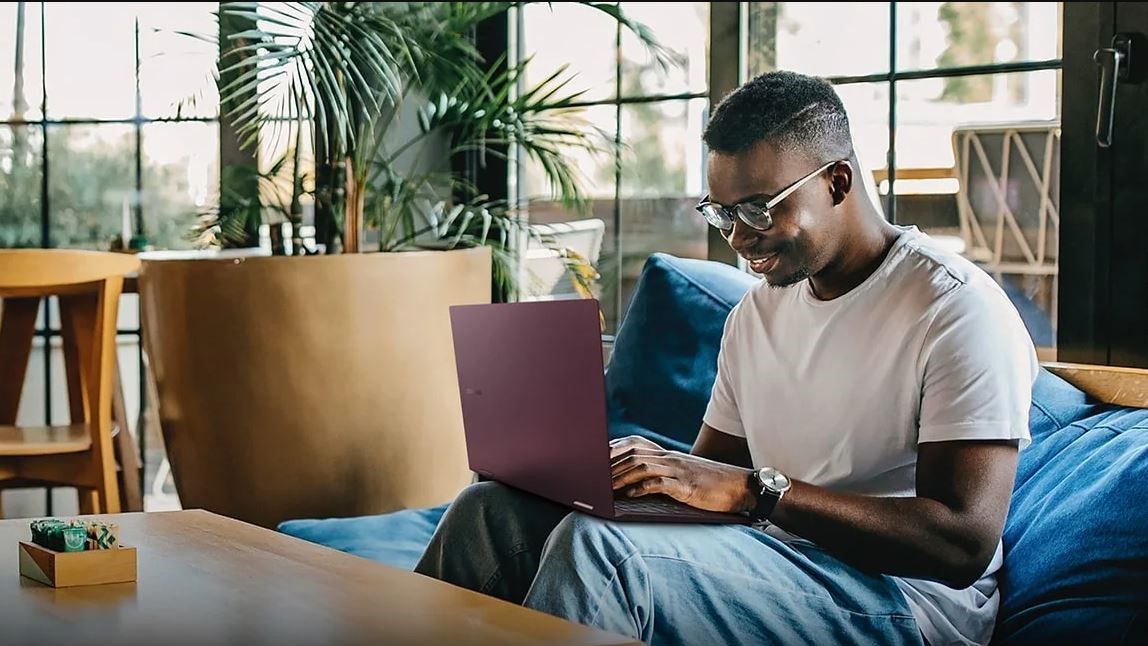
point(871, 396)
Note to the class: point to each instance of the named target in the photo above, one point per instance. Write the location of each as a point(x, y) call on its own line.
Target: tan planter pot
point(311, 387)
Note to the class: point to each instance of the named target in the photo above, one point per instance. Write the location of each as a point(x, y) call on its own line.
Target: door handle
point(1111, 62)
point(1117, 65)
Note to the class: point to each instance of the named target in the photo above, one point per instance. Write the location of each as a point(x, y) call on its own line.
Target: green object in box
point(49, 533)
point(75, 538)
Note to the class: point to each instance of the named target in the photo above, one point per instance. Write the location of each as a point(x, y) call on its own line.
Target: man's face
point(802, 239)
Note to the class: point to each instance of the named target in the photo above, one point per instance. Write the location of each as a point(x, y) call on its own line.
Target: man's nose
point(742, 236)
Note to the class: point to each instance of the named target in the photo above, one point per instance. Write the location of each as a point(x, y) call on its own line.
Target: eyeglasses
point(754, 213)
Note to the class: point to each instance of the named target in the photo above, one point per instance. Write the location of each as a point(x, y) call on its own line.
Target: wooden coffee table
point(205, 579)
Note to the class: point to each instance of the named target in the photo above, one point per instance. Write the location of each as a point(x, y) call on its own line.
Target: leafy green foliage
point(354, 70)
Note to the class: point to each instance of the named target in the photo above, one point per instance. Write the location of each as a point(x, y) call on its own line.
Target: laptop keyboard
point(662, 506)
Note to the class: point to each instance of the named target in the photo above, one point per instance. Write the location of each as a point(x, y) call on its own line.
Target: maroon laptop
point(533, 393)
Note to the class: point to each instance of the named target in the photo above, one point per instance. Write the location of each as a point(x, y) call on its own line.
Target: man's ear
point(840, 181)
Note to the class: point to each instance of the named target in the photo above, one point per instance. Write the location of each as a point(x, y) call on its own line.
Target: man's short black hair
point(791, 111)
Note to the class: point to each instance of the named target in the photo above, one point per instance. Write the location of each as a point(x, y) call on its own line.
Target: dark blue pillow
point(664, 362)
point(1076, 541)
point(397, 539)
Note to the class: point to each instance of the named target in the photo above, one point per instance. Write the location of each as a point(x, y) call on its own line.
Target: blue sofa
point(1076, 541)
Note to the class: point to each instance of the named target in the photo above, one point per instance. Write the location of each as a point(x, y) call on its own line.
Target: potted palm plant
point(327, 387)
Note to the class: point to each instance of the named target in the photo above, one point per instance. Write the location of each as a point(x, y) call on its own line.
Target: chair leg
point(109, 490)
point(113, 502)
point(127, 455)
point(89, 501)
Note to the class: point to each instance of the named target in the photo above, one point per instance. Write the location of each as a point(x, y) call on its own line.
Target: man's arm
point(722, 447)
point(948, 532)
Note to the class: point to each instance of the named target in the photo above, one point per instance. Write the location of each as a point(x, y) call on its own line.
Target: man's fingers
point(637, 471)
point(657, 485)
point(622, 454)
point(632, 441)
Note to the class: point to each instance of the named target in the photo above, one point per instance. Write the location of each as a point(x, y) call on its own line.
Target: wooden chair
point(81, 454)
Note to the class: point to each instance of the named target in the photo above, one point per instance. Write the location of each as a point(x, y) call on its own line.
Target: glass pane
point(91, 187)
point(20, 175)
point(928, 109)
point(567, 33)
point(663, 168)
point(593, 235)
point(31, 70)
point(90, 60)
point(954, 34)
point(652, 224)
point(176, 69)
point(180, 179)
point(589, 235)
point(129, 316)
point(596, 170)
point(683, 28)
point(808, 37)
point(978, 166)
point(662, 149)
point(38, 380)
point(867, 105)
point(277, 145)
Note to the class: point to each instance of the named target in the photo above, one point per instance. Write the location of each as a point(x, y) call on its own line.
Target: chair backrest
point(88, 285)
point(546, 273)
point(1009, 196)
point(51, 272)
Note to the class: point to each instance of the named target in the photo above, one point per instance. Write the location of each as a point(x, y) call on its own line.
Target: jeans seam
point(613, 578)
point(493, 579)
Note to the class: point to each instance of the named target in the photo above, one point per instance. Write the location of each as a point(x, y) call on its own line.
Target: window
point(955, 111)
point(644, 188)
point(110, 133)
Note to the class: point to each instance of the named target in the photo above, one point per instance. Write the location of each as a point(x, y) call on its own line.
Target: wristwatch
point(768, 486)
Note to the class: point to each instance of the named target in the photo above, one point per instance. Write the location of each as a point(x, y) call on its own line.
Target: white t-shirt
point(839, 393)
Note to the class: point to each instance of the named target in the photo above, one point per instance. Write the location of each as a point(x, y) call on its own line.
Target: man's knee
point(584, 558)
point(481, 497)
point(487, 497)
point(584, 538)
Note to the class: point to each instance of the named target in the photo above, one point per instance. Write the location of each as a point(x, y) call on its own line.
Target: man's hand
point(641, 467)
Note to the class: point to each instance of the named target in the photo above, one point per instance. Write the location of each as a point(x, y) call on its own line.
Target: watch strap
point(764, 500)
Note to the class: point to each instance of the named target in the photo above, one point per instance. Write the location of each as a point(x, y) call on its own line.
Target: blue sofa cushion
point(1076, 541)
point(397, 539)
point(665, 355)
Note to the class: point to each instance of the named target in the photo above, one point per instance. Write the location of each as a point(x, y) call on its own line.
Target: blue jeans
point(661, 583)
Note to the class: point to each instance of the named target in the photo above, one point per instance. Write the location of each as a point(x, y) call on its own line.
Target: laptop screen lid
point(532, 388)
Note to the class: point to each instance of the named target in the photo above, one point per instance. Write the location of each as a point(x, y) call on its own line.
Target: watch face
point(773, 480)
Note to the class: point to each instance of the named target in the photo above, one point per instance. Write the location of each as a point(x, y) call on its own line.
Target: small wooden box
point(67, 569)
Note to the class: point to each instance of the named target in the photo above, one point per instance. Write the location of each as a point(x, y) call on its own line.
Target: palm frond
point(334, 62)
point(276, 190)
point(542, 122)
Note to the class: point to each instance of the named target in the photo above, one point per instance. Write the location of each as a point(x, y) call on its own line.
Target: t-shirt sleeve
point(979, 367)
point(722, 412)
